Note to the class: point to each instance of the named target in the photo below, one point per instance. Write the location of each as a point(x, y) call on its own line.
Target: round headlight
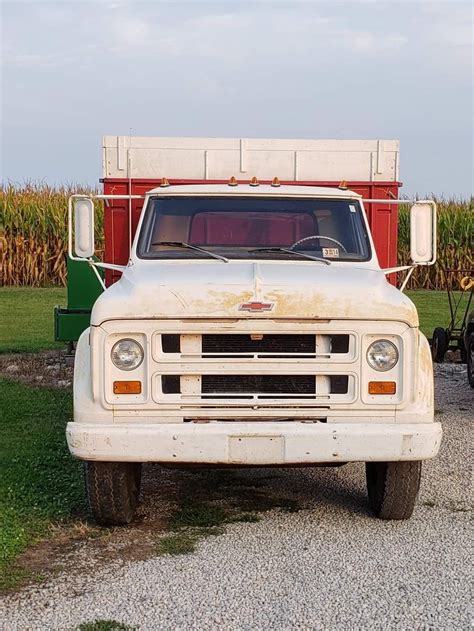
point(127, 354)
point(382, 355)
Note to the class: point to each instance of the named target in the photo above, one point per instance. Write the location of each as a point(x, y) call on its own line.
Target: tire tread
point(393, 488)
point(112, 490)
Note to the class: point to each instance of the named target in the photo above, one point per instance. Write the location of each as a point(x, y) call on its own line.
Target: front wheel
point(113, 489)
point(392, 488)
point(470, 360)
point(439, 344)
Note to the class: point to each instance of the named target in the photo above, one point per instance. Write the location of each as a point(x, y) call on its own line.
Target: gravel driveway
point(327, 566)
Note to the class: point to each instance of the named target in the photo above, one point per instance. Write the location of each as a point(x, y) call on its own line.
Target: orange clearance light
point(382, 387)
point(253, 181)
point(164, 183)
point(275, 182)
point(127, 387)
point(343, 185)
point(232, 182)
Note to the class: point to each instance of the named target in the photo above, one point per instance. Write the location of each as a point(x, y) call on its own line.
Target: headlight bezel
point(140, 349)
point(392, 347)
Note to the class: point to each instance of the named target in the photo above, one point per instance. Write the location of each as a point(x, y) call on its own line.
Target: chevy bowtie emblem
point(256, 306)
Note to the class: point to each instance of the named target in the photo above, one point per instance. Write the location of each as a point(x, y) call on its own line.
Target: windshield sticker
point(331, 252)
point(352, 208)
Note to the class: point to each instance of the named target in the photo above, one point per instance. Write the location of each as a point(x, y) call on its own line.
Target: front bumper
point(254, 443)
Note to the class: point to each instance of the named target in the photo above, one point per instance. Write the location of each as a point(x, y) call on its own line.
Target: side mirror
point(423, 233)
point(84, 245)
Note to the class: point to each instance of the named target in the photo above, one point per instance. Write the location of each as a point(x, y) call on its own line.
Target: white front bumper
point(254, 443)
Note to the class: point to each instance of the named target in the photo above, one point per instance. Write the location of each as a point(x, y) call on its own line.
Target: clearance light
point(232, 182)
point(343, 185)
point(164, 183)
point(382, 387)
point(275, 182)
point(127, 387)
point(253, 181)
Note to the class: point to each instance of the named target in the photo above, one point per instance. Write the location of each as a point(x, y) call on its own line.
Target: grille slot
point(259, 384)
point(339, 384)
point(170, 343)
point(284, 346)
point(268, 344)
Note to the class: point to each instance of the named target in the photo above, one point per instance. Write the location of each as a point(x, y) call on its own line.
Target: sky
point(72, 72)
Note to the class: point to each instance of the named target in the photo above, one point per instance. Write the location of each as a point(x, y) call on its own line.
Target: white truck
point(252, 323)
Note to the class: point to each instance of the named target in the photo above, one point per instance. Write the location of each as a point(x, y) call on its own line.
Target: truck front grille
point(254, 367)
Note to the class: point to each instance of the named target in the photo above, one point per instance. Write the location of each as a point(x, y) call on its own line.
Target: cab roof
point(253, 191)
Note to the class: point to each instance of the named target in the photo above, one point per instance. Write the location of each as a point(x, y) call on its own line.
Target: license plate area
point(260, 449)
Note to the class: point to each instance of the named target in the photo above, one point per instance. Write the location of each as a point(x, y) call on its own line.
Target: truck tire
point(470, 360)
point(439, 344)
point(113, 489)
point(392, 488)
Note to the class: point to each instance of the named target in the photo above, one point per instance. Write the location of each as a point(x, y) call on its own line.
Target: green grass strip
point(26, 318)
point(40, 483)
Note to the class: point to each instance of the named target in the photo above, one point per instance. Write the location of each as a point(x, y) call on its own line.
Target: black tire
point(113, 489)
point(439, 344)
point(470, 360)
point(392, 488)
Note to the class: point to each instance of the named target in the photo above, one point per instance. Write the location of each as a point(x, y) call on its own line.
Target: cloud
point(128, 30)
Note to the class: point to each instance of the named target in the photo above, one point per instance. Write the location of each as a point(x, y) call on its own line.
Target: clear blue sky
point(74, 71)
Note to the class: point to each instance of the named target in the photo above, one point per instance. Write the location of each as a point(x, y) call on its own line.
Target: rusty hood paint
point(208, 289)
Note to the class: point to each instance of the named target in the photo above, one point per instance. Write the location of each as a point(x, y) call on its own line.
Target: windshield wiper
point(288, 251)
point(180, 244)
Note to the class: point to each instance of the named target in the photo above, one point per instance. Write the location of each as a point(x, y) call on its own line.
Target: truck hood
point(293, 290)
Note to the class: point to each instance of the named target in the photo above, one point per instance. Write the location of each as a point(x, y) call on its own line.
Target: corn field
point(33, 233)
point(33, 236)
point(455, 243)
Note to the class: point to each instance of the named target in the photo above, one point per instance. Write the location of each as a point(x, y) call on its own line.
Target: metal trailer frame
point(453, 336)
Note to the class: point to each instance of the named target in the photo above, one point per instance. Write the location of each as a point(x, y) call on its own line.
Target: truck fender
point(86, 409)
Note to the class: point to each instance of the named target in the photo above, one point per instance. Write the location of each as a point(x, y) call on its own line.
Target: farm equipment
point(455, 337)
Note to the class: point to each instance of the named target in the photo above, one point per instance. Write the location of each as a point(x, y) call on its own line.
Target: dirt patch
point(50, 369)
point(178, 508)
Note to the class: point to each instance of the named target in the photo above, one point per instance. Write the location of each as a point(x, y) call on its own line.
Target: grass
point(40, 483)
point(26, 318)
point(104, 625)
point(177, 543)
point(433, 308)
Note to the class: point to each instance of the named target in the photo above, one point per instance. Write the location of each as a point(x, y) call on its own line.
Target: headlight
point(382, 355)
point(127, 354)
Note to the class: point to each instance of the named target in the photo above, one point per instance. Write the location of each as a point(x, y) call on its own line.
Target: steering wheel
point(316, 236)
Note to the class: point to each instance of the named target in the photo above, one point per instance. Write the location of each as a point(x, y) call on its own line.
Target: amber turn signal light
point(382, 387)
point(127, 387)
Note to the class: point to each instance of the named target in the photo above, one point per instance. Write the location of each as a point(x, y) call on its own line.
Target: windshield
point(253, 227)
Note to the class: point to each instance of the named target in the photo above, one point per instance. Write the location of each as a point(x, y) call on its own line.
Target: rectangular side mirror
point(423, 233)
point(84, 245)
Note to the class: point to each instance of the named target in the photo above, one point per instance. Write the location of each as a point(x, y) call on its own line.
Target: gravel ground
point(328, 566)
